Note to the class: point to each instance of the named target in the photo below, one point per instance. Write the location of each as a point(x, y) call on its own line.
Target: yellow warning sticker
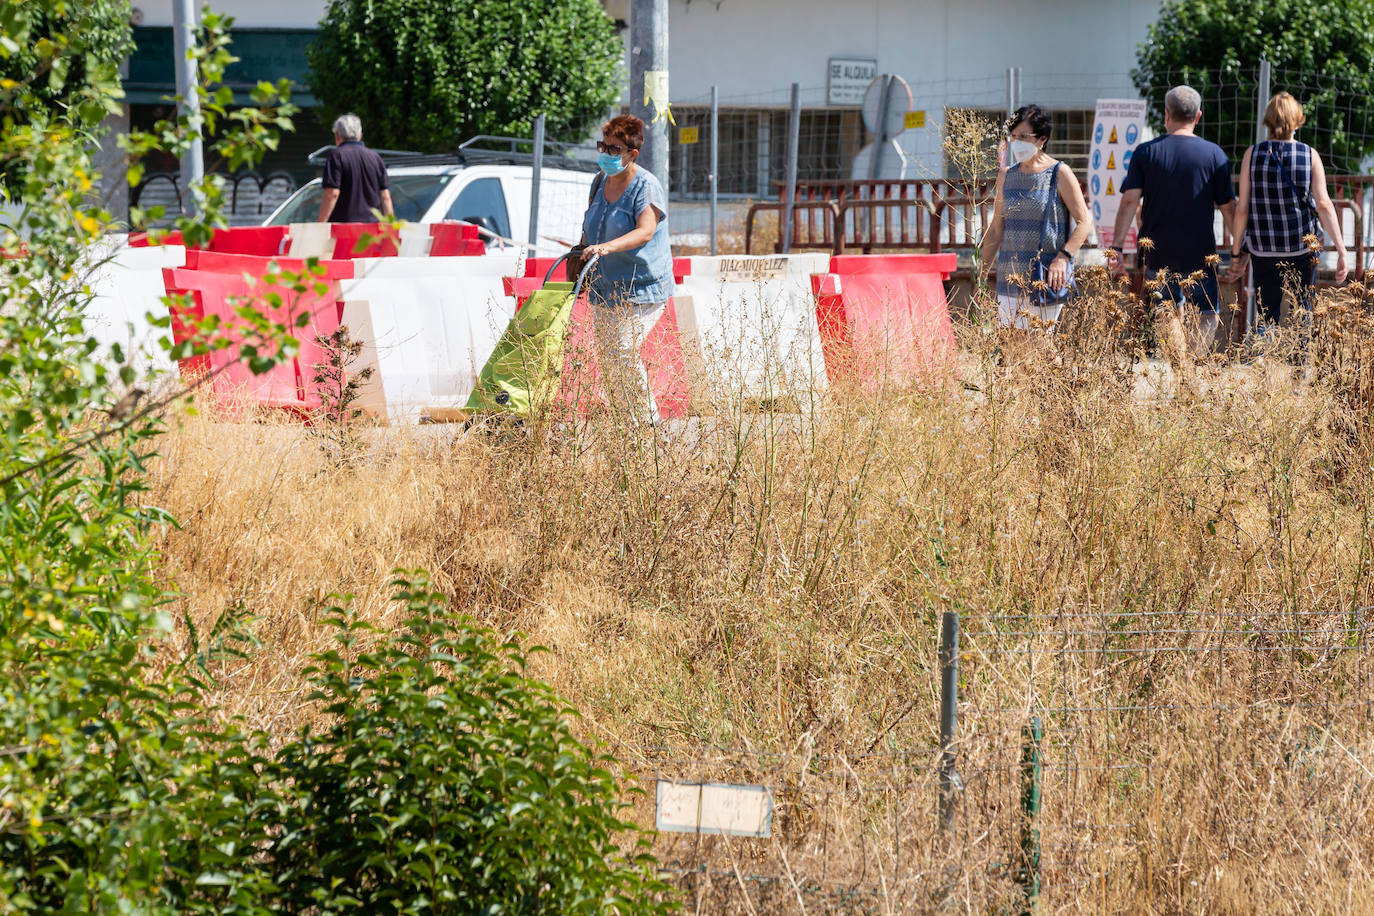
point(1111, 160)
point(1111, 190)
point(914, 119)
point(687, 135)
point(1112, 138)
point(656, 95)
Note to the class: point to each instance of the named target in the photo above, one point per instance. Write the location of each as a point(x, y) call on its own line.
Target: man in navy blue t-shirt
point(1182, 179)
point(355, 180)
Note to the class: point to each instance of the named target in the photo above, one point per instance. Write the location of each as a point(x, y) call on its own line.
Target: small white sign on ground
point(712, 807)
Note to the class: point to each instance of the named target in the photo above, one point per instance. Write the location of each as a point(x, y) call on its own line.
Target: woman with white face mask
point(1029, 241)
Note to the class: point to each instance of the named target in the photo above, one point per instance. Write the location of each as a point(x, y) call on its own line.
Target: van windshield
point(411, 195)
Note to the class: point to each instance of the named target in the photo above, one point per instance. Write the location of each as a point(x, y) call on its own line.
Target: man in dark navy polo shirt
point(1183, 180)
point(355, 181)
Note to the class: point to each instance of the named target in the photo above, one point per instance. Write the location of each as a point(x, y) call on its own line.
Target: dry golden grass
point(1178, 587)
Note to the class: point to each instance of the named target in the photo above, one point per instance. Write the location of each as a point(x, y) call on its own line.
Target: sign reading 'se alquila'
point(847, 79)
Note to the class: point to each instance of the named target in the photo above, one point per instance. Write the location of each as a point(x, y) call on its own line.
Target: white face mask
point(1022, 150)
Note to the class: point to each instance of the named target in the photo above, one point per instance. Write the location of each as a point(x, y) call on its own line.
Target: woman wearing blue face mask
point(1028, 239)
point(629, 287)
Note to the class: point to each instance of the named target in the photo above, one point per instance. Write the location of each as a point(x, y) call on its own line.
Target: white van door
point(482, 200)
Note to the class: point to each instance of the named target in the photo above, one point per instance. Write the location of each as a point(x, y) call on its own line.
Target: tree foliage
point(65, 55)
point(426, 76)
point(1322, 52)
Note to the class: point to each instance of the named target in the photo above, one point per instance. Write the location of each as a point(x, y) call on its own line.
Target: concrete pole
point(193, 160)
point(649, 78)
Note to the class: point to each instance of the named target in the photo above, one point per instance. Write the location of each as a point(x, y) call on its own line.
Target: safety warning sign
point(1117, 128)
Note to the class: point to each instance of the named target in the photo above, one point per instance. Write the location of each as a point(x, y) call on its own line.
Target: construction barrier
point(885, 317)
point(428, 326)
point(217, 283)
point(455, 240)
point(264, 241)
point(127, 290)
point(580, 388)
point(748, 325)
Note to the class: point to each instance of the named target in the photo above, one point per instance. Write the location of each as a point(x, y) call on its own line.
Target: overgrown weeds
point(1178, 586)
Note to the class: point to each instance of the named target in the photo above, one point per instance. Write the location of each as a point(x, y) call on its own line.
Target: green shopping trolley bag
point(522, 376)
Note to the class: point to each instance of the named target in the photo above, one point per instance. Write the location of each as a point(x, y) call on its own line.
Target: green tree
point(426, 76)
point(1322, 52)
point(65, 55)
point(59, 60)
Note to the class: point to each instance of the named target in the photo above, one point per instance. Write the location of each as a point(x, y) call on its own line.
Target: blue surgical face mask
point(611, 165)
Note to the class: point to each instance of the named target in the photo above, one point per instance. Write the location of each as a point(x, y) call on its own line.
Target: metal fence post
point(949, 705)
point(715, 160)
point(1031, 784)
point(534, 179)
point(793, 142)
point(880, 144)
point(1262, 93)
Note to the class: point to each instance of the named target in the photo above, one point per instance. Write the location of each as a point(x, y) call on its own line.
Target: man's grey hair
point(348, 127)
point(1183, 104)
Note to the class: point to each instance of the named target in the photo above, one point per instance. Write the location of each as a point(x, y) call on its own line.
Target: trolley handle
point(586, 268)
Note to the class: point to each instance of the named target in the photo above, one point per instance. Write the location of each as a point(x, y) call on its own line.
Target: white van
point(489, 188)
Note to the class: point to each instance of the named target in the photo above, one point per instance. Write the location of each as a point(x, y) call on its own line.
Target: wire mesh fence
point(1256, 724)
point(750, 139)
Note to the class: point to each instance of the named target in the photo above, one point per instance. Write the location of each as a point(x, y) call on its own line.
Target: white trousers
point(620, 332)
point(1016, 312)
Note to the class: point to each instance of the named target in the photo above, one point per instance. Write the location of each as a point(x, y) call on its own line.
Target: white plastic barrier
point(127, 285)
point(314, 240)
point(748, 324)
point(428, 326)
point(414, 240)
point(310, 240)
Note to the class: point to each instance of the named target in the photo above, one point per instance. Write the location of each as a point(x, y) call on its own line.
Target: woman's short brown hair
point(1283, 115)
point(627, 128)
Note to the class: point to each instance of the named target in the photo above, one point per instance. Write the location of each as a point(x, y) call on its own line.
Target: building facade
point(979, 54)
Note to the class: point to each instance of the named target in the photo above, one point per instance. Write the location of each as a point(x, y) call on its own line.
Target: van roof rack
point(488, 149)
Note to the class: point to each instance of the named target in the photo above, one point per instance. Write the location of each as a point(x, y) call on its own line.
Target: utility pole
point(649, 81)
point(193, 160)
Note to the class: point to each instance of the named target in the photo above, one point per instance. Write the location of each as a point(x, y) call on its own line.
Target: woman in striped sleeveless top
point(1030, 221)
point(1282, 199)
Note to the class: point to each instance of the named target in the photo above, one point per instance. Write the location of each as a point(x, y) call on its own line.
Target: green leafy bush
point(63, 55)
point(426, 76)
point(447, 781)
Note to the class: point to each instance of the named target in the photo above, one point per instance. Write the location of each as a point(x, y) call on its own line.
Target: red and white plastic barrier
point(749, 324)
point(216, 284)
point(428, 325)
point(885, 317)
point(127, 289)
